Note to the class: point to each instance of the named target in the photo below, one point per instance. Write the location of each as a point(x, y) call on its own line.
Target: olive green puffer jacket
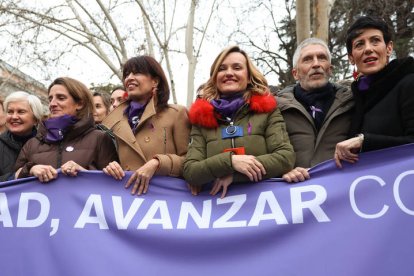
point(264, 136)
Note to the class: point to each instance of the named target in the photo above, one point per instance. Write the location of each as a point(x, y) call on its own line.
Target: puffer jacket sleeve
point(281, 156)
point(106, 151)
point(7, 160)
point(171, 164)
point(198, 169)
point(23, 162)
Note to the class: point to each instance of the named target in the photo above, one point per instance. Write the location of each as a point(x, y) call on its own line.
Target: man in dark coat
point(317, 112)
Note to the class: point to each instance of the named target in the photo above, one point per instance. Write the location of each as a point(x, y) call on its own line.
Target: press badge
point(231, 132)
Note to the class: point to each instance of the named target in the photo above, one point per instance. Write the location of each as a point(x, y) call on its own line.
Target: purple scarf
point(227, 106)
point(57, 127)
point(364, 83)
point(134, 112)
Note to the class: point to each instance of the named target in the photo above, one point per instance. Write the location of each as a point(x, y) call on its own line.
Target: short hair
point(307, 42)
point(257, 82)
point(367, 22)
point(149, 66)
point(119, 87)
point(106, 99)
point(79, 92)
point(1, 103)
point(33, 101)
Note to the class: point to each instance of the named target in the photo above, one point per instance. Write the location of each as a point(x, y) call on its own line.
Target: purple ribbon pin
point(314, 110)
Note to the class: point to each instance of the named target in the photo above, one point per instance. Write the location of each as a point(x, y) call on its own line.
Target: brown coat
point(85, 145)
point(312, 146)
point(163, 135)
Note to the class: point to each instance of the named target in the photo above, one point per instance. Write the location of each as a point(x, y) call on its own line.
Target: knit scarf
point(316, 102)
point(58, 127)
point(227, 106)
point(364, 83)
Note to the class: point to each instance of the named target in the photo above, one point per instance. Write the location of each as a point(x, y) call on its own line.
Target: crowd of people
point(236, 131)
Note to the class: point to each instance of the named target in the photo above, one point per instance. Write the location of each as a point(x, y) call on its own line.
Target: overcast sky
point(86, 67)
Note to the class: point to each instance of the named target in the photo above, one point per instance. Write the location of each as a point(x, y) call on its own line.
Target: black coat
point(385, 112)
point(9, 149)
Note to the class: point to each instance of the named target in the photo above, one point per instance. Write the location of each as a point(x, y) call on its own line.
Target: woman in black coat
point(383, 92)
point(24, 111)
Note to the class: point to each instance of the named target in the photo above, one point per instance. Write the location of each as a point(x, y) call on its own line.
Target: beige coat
point(163, 135)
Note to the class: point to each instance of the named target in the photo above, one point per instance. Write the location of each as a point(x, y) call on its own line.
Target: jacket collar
point(118, 122)
point(7, 138)
point(118, 115)
point(286, 98)
point(202, 112)
point(81, 127)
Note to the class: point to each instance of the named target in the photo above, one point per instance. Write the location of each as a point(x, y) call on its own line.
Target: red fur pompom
point(263, 103)
point(202, 114)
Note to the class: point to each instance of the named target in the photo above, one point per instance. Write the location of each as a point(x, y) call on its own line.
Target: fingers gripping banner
point(358, 220)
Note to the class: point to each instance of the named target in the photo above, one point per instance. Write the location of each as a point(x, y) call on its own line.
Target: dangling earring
point(355, 74)
point(154, 90)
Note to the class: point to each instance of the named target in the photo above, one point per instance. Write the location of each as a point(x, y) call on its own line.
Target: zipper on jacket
point(59, 156)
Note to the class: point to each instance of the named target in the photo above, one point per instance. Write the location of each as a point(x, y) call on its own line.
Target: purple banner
point(355, 221)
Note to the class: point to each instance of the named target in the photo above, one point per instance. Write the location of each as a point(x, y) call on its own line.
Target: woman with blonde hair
point(238, 133)
point(68, 139)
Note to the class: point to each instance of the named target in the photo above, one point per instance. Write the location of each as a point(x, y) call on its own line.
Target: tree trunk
point(302, 20)
point(321, 19)
point(189, 51)
point(150, 45)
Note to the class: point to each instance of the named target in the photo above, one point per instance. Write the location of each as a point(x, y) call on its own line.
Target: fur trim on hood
point(202, 112)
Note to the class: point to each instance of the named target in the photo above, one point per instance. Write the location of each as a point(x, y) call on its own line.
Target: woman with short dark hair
point(383, 91)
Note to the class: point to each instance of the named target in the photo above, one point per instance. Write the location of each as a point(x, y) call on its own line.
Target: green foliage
point(107, 88)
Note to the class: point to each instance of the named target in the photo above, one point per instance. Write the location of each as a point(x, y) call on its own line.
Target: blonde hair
point(257, 82)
